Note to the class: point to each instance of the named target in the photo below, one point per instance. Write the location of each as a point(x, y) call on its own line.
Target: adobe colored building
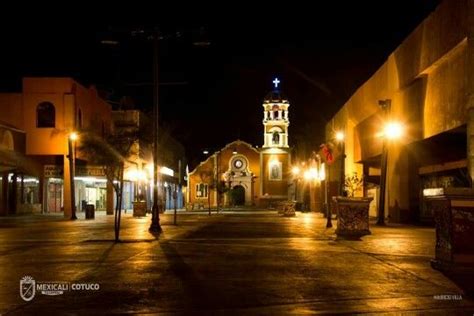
point(426, 86)
point(256, 176)
point(43, 116)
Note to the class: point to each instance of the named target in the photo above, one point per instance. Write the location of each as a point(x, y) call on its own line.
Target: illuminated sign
point(54, 171)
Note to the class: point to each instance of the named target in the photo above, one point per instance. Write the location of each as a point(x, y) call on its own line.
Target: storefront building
point(48, 111)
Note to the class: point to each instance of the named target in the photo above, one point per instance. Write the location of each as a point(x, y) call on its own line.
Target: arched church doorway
point(238, 195)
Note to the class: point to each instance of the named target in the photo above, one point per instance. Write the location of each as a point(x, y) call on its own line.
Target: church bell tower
point(275, 118)
point(275, 158)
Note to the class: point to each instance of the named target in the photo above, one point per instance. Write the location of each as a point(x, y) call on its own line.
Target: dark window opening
point(276, 138)
point(45, 115)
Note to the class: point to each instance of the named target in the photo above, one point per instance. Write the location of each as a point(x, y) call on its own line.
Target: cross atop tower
point(276, 82)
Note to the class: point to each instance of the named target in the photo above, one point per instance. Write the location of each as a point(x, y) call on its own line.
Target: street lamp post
point(383, 177)
point(72, 171)
point(386, 106)
point(340, 138)
point(328, 208)
point(392, 131)
point(296, 172)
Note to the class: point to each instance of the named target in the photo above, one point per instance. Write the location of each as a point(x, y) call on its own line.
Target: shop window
point(201, 190)
point(45, 115)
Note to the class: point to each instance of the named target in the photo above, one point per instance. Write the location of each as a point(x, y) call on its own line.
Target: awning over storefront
point(15, 161)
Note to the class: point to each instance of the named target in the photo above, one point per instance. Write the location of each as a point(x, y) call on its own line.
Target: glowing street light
point(73, 136)
point(340, 138)
point(296, 170)
point(393, 130)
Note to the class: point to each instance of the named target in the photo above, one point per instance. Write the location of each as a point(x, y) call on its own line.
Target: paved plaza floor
point(242, 263)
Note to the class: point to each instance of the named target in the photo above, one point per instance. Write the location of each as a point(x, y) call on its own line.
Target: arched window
point(201, 190)
point(276, 138)
point(45, 115)
point(7, 141)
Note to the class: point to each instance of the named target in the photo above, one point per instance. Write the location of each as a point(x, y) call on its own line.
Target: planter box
point(287, 208)
point(139, 209)
point(453, 213)
point(352, 216)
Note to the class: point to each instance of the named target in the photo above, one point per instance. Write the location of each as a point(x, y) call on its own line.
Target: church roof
point(275, 96)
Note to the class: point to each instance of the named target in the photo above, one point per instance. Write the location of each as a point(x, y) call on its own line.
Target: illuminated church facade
point(242, 174)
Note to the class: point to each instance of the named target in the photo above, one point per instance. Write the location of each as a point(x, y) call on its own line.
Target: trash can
point(139, 208)
point(90, 211)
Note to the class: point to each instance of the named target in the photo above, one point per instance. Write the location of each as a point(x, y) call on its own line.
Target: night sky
point(212, 95)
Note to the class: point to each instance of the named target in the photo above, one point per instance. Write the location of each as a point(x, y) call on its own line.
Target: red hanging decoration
point(327, 153)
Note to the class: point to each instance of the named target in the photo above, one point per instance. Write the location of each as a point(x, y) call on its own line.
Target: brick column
point(67, 188)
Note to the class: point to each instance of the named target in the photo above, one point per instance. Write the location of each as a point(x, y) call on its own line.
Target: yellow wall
point(271, 187)
point(68, 97)
point(427, 79)
point(47, 141)
point(204, 173)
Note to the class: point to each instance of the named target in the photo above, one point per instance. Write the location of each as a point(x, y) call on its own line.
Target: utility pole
point(155, 35)
point(155, 210)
